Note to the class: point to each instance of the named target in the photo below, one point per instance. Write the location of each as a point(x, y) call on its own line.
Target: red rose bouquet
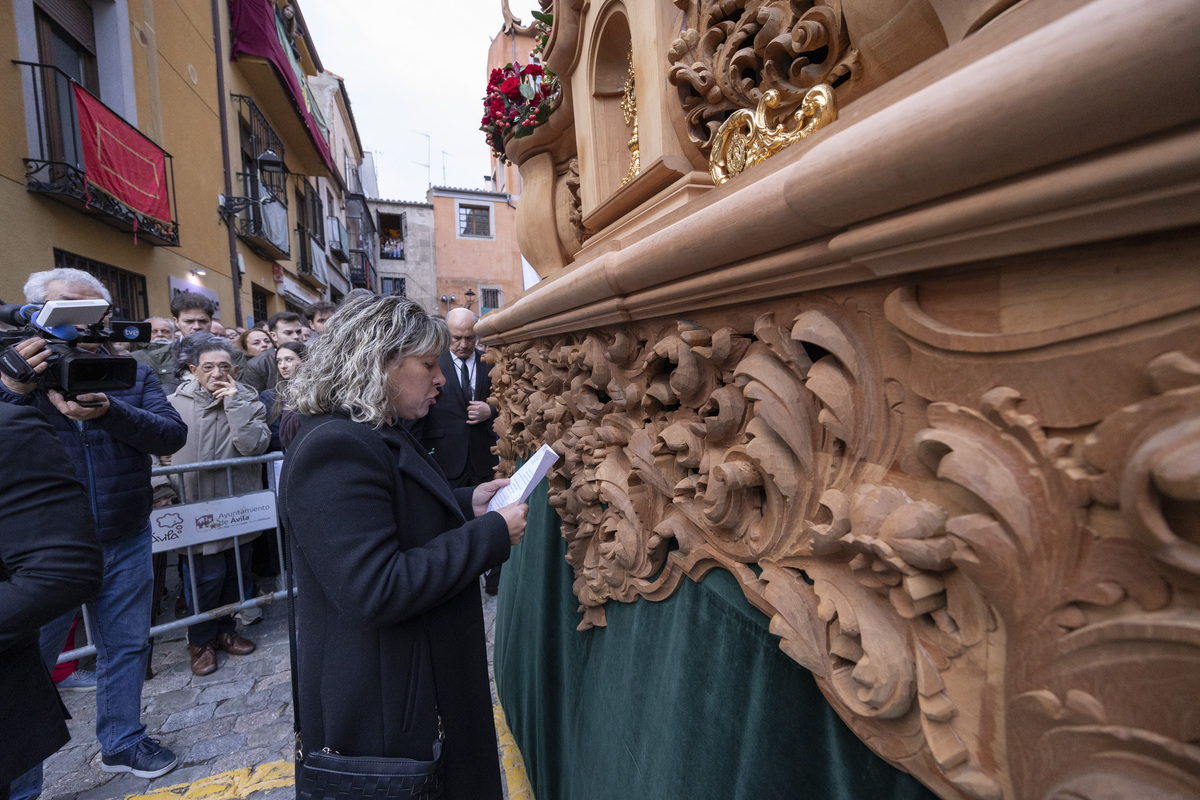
point(518, 100)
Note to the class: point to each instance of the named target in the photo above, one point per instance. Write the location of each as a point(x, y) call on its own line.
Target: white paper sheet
point(528, 476)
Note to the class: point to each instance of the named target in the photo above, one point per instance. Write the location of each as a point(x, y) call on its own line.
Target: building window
point(489, 298)
point(316, 214)
point(396, 286)
point(128, 289)
point(258, 304)
point(392, 230)
point(474, 221)
point(70, 46)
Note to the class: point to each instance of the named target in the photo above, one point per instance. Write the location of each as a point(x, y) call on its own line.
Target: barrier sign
point(209, 520)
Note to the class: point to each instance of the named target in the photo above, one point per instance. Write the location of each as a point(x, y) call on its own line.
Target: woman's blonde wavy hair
point(346, 368)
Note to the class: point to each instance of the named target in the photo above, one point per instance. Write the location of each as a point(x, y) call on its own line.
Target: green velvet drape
point(687, 698)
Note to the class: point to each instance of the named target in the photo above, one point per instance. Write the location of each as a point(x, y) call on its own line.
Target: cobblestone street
point(232, 730)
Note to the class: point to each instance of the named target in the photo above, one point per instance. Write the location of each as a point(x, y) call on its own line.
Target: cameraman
point(109, 437)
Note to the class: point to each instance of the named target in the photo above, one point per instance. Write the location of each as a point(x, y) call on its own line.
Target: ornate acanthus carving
point(731, 54)
point(749, 138)
point(575, 213)
point(629, 112)
point(973, 595)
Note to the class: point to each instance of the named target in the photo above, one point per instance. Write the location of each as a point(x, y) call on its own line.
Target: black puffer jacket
point(111, 453)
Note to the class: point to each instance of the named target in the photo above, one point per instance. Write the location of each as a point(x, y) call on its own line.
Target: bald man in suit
point(457, 431)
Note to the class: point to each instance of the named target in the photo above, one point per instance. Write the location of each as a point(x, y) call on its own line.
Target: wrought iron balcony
point(262, 217)
point(107, 170)
point(339, 239)
point(361, 223)
point(362, 271)
point(310, 265)
point(354, 184)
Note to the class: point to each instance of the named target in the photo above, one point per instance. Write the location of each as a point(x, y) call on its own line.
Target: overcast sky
point(414, 68)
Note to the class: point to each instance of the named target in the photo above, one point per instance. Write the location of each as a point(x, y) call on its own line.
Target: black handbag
point(327, 775)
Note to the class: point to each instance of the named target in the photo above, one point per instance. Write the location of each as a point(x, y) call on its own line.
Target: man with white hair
point(162, 330)
point(108, 436)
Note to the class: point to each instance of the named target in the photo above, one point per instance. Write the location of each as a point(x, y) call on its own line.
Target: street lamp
point(470, 298)
point(269, 163)
point(272, 164)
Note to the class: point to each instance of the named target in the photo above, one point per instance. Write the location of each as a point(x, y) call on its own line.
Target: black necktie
point(466, 380)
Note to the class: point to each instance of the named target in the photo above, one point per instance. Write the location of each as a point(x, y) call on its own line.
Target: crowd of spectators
point(205, 392)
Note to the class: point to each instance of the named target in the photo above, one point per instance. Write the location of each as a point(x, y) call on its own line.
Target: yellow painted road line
point(236, 785)
point(510, 757)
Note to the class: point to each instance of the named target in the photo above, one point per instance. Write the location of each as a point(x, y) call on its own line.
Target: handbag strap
point(295, 670)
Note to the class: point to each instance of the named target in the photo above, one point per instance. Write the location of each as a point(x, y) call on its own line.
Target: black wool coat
point(387, 566)
point(444, 432)
point(50, 562)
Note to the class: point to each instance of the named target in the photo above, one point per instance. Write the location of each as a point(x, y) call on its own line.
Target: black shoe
point(146, 759)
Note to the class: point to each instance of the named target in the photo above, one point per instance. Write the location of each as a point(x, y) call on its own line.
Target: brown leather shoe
point(204, 658)
point(234, 644)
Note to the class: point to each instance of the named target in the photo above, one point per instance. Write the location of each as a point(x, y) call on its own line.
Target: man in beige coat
point(225, 420)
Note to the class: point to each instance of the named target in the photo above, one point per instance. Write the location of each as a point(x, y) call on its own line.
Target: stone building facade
point(405, 253)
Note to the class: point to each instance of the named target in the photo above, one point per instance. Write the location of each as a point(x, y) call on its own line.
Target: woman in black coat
point(387, 555)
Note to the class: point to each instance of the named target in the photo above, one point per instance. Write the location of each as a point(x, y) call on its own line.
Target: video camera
point(70, 370)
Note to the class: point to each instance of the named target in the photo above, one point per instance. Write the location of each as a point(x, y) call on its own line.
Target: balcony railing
point(354, 183)
point(310, 264)
point(361, 224)
point(339, 239)
point(362, 271)
point(262, 138)
point(263, 223)
point(139, 200)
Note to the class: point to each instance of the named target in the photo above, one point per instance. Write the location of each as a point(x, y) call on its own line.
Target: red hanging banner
point(121, 161)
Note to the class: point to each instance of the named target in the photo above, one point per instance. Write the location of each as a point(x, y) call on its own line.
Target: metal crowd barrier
point(191, 530)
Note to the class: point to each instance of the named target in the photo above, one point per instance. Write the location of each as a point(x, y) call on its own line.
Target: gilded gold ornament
point(629, 110)
point(747, 138)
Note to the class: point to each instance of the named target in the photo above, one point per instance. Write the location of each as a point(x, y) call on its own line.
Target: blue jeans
point(120, 621)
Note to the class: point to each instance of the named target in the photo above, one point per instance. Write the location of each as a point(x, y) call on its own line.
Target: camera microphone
point(18, 316)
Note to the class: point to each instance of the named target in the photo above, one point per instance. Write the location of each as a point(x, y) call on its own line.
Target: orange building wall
point(468, 263)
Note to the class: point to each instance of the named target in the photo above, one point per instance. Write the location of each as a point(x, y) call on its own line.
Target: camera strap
point(16, 367)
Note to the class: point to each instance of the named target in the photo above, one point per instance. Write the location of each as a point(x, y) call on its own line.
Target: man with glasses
point(190, 312)
point(225, 420)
